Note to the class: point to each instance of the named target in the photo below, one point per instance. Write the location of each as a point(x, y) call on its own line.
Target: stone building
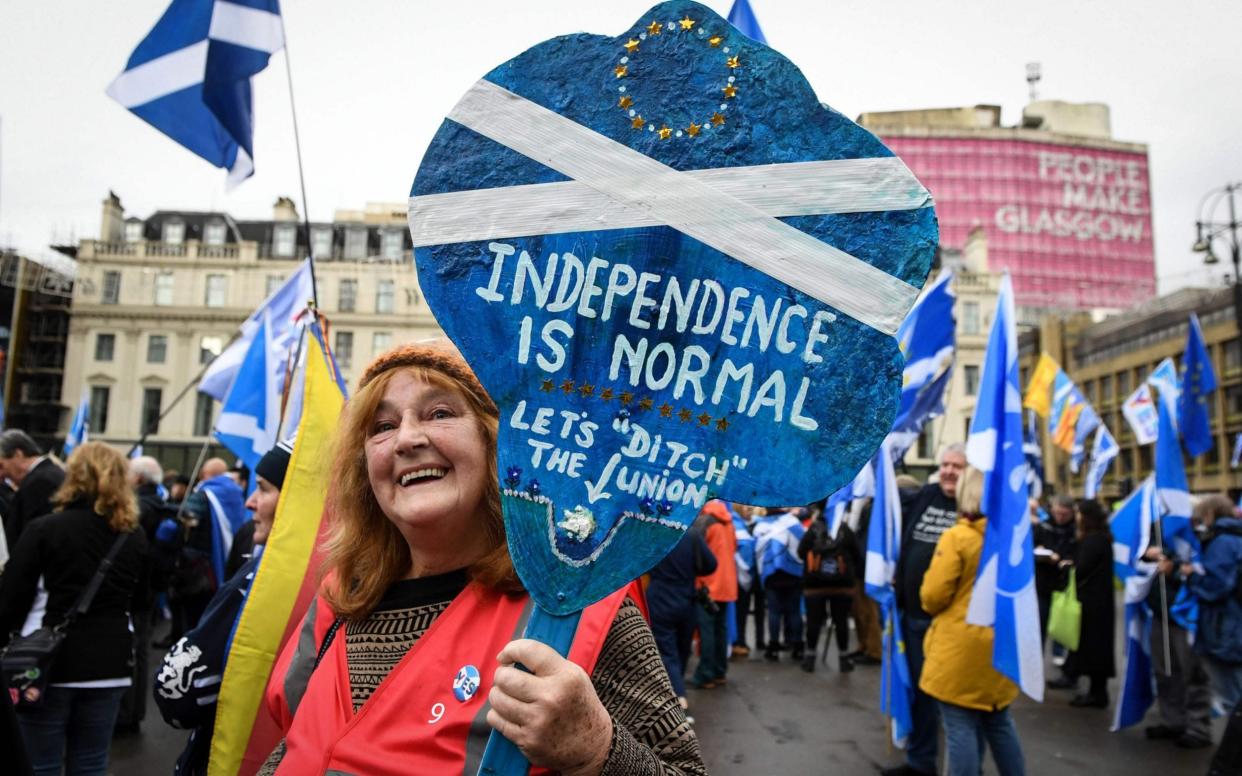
point(164, 294)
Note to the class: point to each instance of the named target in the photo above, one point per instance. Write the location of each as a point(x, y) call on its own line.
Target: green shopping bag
point(1065, 616)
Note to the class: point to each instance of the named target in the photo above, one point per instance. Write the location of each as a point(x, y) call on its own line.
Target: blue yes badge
point(466, 683)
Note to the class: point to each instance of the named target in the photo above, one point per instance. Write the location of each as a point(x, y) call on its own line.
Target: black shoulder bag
point(27, 661)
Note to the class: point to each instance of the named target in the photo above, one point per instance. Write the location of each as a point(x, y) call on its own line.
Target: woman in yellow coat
point(974, 697)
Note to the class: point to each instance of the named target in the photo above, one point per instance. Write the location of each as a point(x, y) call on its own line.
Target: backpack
point(827, 564)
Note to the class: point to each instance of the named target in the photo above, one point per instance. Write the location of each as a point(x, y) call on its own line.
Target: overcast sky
point(374, 78)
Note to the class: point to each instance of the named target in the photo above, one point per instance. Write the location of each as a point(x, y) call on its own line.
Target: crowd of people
point(103, 547)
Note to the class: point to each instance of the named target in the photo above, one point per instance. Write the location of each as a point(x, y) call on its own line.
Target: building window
point(133, 231)
point(99, 409)
point(151, 398)
point(209, 348)
point(356, 242)
point(174, 232)
point(213, 233)
point(111, 287)
point(344, 351)
point(217, 289)
point(284, 240)
point(380, 341)
point(925, 450)
point(1233, 354)
point(1123, 384)
point(273, 282)
point(970, 317)
point(385, 296)
point(1106, 389)
point(393, 244)
point(157, 348)
point(347, 299)
point(164, 289)
point(971, 374)
point(105, 344)
point(321, 242)
point(204, 413)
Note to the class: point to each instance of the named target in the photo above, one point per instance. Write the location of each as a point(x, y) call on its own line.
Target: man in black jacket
point(36, 477)
point(927, 514)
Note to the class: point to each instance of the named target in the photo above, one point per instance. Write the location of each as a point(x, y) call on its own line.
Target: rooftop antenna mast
point(1033, 75)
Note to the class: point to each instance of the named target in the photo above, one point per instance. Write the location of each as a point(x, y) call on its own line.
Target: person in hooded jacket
point(957, 667)
point(673, 604)
point(1218, 587)
point(832, 568)
point(721, 587)
point(1095, 657)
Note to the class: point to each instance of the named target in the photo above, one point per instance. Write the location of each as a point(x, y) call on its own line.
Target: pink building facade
point(1071, 222)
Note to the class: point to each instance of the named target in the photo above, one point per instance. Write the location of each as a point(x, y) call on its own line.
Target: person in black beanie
point(204, 650)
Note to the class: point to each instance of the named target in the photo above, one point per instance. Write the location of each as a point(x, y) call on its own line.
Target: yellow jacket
point(957, 668)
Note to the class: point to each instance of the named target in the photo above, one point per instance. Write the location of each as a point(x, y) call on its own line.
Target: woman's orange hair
point(97, 472)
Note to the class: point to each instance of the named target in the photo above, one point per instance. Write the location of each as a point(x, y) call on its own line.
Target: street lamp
point(1207, 231)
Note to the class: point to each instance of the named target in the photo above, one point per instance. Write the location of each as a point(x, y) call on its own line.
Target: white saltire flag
point(883, 549)
point(1131, 530)
point(926, 339)
point(251, 413)
point(1103, 452)
point(79, 429)
point(190, 77)
point(1004, 594)
point(283, 308)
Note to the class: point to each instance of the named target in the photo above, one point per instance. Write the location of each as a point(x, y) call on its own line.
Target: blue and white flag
point(742, 17)
point(1088, 421)
point(1138, 680)
point(883, 548)
point(1131, 525)
point(250, 416)
point(228, 513)
point(1004, 594)
point(1103, 451)
point(1236, 458)
point(136, 452)
point(1177, 533)
point(1169, 386)
point(79, 428)
point(190, 77)
point(745, 554)
point(284, 309)
point(862, 486)
point(1034, 456)
point(1198, 383)
point(926, 339)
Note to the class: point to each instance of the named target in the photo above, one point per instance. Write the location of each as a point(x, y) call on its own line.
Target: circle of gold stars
point(687, 26)
point(634, 402)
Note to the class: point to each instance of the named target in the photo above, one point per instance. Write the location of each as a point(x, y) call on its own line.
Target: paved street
point(776, 719)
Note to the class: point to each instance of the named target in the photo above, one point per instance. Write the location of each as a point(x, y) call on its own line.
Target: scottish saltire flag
point(1103, 451)
point(1237, 452)
point(1198, 382)
point(1167, 384)
point(190, 77)
point(742, 17)
point(1087, 422)
point(1034, 457)
point(250, 416)
point(745, 554)
point(862, 486)
point(1138, 681)
point(1131, 525)
point(79, 428)
point(1004, 594)
point(883, 547)
point(228, 513)
point(1173, 491)
point(926, 339)
point(284, 308)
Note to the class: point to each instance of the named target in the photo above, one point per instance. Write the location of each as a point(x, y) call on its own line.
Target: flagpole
point(948, 397)
point(297, 144)
point(1164, 599)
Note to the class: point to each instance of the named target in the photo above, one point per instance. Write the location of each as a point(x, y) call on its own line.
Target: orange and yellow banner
point(1039, 388)
point(282, 589)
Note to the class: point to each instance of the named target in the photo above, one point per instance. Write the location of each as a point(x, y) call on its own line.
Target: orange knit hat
point(439, 354)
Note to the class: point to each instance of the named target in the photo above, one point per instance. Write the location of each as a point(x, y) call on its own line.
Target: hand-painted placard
point(677, 274)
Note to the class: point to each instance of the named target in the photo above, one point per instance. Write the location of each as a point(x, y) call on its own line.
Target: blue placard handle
point(502, 757)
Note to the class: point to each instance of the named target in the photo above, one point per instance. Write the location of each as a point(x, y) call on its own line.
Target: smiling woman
point(409, 655)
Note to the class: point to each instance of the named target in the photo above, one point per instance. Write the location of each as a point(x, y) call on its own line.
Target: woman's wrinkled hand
point(552, 713)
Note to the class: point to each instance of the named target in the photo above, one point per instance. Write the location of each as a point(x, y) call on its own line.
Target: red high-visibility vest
point(429, 713)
